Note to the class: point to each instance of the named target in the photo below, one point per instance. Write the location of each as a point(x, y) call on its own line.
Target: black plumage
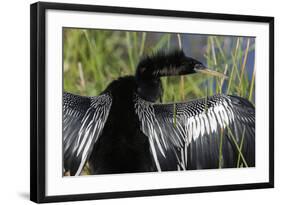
point(123, 130)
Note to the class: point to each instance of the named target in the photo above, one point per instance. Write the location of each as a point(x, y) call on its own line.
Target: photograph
point(134, 102)
point(142, 101)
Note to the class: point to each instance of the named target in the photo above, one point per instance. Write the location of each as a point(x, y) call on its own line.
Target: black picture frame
point(38, 100)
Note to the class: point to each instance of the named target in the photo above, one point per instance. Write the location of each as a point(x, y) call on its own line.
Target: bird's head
point(152, 68)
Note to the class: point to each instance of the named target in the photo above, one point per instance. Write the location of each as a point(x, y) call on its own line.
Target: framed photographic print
point(129, 102)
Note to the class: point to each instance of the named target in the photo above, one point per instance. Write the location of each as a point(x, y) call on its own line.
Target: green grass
point(94, 58)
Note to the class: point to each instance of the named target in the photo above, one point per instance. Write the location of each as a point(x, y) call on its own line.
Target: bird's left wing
point(188, 135)
point(83, 122)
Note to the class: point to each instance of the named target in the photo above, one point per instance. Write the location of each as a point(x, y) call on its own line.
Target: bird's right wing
point(83, 122)
point(204, 133)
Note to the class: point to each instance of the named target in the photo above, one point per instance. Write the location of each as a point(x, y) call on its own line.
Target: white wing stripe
point(193, 120)
point(84, 119)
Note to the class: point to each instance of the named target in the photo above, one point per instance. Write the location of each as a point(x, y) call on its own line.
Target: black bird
point(124, 130)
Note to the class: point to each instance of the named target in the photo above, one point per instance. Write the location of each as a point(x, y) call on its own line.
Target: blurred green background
point(94, 58)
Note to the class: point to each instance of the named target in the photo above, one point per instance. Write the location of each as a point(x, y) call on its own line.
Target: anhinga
point(124, 130)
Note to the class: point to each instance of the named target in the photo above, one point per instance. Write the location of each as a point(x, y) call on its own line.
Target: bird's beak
point(205, 70)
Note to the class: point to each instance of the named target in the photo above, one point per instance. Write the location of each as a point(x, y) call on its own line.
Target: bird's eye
point(199, 66)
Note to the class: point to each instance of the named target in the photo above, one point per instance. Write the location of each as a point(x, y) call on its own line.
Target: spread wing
point(213, 132)
point(83, 122)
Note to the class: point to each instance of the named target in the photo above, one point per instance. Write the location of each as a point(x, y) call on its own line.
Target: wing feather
point(200, 134)
point(83, 122)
